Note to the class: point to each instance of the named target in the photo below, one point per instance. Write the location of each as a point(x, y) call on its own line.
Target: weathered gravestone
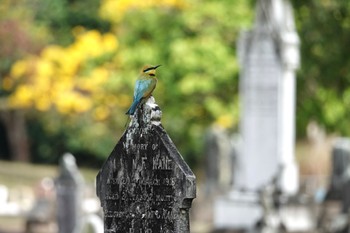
point(145, 186)
point(69, 188)
point(335, 214)
point(219, 159)
point(339, 189)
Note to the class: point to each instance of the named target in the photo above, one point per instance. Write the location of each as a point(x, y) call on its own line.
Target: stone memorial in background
point(69, 194)
point(269, 56)
point(145, 186)
point(219, 158)
point(334, 214)
point(339, 189)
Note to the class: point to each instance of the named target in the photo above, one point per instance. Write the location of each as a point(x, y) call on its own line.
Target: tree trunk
point(15, 125)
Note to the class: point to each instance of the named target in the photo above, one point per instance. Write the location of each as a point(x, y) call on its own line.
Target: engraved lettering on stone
point(142, 187)
point(142, 146)
point(161, 163)
point(154, 146)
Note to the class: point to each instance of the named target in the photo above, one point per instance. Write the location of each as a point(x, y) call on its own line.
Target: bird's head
point(149, 70)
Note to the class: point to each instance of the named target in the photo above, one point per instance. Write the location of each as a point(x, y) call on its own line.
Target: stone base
point(298, 218)
point(237, 210)
point(289, 179)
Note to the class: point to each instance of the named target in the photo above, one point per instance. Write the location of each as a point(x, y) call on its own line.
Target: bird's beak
point(155, 67)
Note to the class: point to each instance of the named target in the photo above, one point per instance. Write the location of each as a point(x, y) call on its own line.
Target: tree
point(198, 82)
point(16, 41)
point(324, 78)
point(26, 26)
point(81, 90)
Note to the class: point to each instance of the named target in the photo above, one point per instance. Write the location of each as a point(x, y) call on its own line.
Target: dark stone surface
point(145, 186)
point(340, 169)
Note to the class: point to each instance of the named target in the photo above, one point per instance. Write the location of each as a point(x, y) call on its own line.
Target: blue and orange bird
point(144, 87)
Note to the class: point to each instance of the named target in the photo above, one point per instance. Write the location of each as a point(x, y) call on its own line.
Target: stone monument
point(219, 159)
point(269, 56)
point(339, 189)
point(69, 188)
point(145, 186)
point(335, 212)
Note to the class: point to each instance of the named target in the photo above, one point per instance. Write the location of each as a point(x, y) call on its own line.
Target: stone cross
point(145, 186)
point(69, 188)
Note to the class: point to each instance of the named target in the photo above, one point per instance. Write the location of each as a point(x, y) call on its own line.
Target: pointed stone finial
point(146, 114)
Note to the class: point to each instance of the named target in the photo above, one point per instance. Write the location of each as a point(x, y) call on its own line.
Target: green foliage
point(61, 16)
point(18, 35)
point(198, 81)
point(324, 78)
point(55, 134)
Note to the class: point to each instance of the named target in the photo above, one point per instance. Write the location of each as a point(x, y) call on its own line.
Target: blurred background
point(68, 68)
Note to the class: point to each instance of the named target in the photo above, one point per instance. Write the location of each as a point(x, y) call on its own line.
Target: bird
point(144, 86)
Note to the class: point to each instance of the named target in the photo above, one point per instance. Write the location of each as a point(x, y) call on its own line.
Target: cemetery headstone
point(145, 186)
point(335, 214)
point(218, 152)
point(339, 189)
point(42, 215)
point(340, 168)
point(268, 56)
point(69, 188)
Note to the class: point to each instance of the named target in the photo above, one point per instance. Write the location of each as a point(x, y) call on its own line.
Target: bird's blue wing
point(141, 87)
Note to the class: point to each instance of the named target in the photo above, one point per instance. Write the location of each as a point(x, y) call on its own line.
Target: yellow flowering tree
point(18, 38)
point(69, 79)
point(72, 82)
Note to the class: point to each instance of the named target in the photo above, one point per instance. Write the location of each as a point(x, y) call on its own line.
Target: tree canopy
point(324, 78)
point(76, 88)
point(70, 65)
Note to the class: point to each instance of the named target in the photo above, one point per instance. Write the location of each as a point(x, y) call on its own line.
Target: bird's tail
point(133, 107)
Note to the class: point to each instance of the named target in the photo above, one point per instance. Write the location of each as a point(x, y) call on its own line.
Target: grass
point(15, 175)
